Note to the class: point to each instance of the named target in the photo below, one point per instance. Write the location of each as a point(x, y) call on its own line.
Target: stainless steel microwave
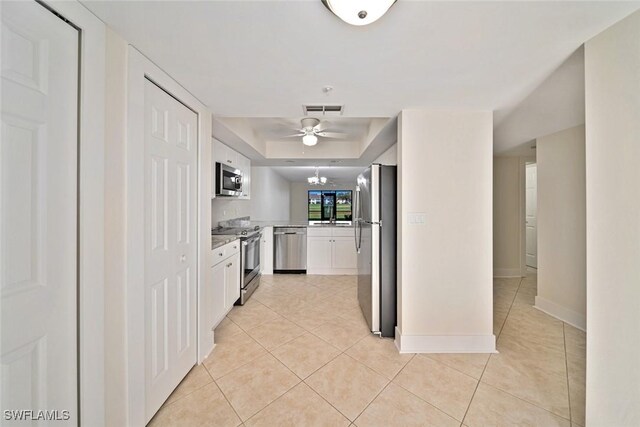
point(228, 181)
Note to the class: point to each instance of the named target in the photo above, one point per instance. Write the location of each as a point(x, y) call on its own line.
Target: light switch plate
point(418, 218)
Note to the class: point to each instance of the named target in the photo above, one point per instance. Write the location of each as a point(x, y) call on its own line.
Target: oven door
point(250, 259)
point(228, 181)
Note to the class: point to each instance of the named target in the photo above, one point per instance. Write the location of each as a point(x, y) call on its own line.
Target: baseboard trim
point(561, 313)
point(333, 271)
point(445, 343)
point(504, 273)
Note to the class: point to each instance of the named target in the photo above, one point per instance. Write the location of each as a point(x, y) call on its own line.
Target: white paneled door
point(531, 214)
point(38, 214)
point(170, 243)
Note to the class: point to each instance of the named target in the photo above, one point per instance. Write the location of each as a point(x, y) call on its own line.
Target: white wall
point(562, 226)
point(299, 196)
point(226, 208)
point(115, 226)
point(389, 157)
point(269, 195)
point(612, 67)
point(445, 278)
point(507, 216)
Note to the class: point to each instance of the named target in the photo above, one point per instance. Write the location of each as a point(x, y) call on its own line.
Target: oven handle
point(251, 240)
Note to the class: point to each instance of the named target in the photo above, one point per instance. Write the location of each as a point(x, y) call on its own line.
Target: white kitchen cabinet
point(231, 280)
point(344, 254)
point(216, 306)
point(266, 251)
point(224, 154)
point(224, 287)
point(244, 164)
point(318, 254)
point(331, 250)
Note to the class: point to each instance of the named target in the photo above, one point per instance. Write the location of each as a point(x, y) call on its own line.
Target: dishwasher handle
point(288, 232)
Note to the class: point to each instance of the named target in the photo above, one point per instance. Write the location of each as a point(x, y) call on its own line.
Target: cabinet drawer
point(318, 231)
point(343, 232)
point(233, 248)
point(225, 251)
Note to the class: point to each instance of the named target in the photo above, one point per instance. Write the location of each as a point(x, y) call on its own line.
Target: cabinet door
point(318, 253)
point(266, 251)
point(217, 300)
point(232, 280)
point(224, 154)
point(344, 253)
point(246, 184)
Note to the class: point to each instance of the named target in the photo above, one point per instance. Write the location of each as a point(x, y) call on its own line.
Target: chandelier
point(316, 179)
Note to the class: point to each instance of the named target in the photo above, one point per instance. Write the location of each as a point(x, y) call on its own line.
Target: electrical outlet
point(224, 214)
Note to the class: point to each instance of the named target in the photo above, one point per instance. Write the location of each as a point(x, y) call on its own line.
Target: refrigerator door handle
point(356, 223)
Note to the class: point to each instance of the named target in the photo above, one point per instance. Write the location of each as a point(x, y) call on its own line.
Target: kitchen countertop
point(221, 239)
point(294, 224)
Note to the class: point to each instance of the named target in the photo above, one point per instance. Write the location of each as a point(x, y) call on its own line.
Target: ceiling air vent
point(322, 110)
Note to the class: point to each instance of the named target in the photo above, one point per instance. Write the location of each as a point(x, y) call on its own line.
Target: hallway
point(299, 354)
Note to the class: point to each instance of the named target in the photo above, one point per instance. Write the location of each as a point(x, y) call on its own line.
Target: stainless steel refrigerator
point(375, 239)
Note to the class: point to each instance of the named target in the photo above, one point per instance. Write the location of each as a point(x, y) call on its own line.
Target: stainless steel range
point(249, 258)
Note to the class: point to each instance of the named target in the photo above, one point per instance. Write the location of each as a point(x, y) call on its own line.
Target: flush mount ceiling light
point(358, 12)
point(316, 179)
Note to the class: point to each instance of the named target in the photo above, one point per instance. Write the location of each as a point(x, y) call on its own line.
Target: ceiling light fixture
point(358, 12)
point(316, 179)
point(309, 139)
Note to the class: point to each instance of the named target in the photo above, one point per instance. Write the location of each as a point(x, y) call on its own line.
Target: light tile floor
point(299, 354)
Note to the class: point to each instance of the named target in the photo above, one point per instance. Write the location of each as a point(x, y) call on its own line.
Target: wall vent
point(322, 110)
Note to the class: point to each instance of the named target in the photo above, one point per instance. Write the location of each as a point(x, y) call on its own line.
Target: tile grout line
point(308, 376)
point(229, 403)
point(508, 392)
point(334, 358)
point(566, 366)
point(166, 405)
point(491, 354)
point(385, 387)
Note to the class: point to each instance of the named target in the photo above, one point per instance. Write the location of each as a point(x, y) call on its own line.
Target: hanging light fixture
point(309, 139)
point(317, 179)
point(358, 12)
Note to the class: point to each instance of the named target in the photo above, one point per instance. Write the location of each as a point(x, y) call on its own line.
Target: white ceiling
point(336, 174)
point(267, 58)
point(557, 104)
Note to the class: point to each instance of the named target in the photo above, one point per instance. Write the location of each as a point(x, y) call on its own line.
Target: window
point(325, 206)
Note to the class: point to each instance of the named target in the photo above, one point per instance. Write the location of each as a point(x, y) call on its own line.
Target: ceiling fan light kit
point(358, 12)
point(310, 139)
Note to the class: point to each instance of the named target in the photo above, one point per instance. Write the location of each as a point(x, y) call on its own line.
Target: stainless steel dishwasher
point(290, 250)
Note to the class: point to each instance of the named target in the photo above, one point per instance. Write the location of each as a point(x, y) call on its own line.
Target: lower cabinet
point(266, 251)
point(319, 251)
point(344, 255)
point(231, 281)
point(225, 284)
point(331, 250)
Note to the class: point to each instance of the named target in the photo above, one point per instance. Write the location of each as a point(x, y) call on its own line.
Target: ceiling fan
point(312, 129)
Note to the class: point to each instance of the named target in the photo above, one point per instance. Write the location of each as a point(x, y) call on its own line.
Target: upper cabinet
point(227, 155)
point(244, 164)
point(224, 154)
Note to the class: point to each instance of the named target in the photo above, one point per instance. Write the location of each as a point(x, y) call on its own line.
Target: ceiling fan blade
point(294, 135)
point(322, 126)
point(331, 134)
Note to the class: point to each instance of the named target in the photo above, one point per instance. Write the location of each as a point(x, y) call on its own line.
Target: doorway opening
point(531, 211)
